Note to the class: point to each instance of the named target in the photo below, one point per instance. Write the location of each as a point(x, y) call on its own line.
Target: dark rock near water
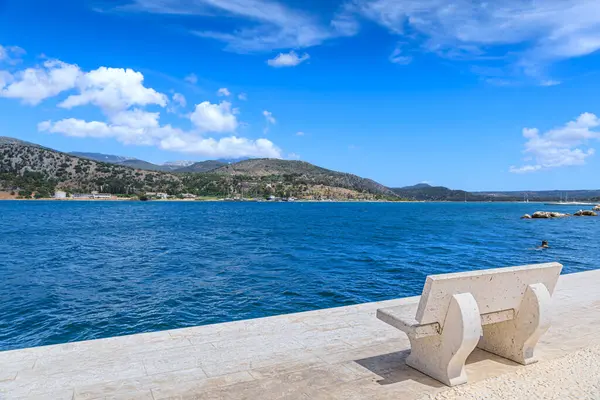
point(586, 213)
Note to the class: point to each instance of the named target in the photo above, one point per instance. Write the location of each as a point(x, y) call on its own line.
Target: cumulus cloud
point(219, 118)
point(290, 59)
point(113, 89)
point(122, 97)
point(147, 131)
point(191, 78)
point(229, 147)
point(264, 25)
point(560, 147)
point(223, 92)
point(33, 85)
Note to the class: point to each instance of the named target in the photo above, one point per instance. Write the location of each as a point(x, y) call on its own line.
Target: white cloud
point(269, 117)
point(191, 78)
point(33, 85)
point(524, 34)
point(122, 96)
point(11, 54)
point(229, 147)
point(290, 59)
point(179, 99)
point(398, 56)
point(5, 78)
point(147, 131)
point(269, 120)
point(243, 96)
point(113, 89)
point(265, 24)
point(560, 147)
point(208, 117)
point(300, 133)
point(223, 92)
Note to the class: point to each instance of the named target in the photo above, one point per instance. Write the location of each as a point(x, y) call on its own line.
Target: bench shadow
point(392, 368)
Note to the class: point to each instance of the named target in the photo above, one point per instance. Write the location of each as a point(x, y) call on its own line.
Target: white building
point(102, 196)
point(60, 195)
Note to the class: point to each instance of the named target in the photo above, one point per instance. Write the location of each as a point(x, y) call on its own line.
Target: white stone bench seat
point(504, 311)
point(403, 318)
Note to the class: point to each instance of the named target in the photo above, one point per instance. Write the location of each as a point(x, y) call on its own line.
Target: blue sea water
point(73, 271)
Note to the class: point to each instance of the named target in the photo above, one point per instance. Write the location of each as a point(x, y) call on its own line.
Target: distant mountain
point(178, 164)
point(202, 166)
point(543, 195)
point(141, 164)
point(133, 162)
point(425, 192)
point(418, 186)
point(108, 158)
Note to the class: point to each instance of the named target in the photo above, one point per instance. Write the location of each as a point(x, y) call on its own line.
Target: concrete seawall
point(340, 353)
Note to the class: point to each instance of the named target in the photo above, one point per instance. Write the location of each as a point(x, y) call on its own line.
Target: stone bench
point(503, 311)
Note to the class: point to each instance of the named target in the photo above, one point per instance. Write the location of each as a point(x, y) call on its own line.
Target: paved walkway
point(342, 353)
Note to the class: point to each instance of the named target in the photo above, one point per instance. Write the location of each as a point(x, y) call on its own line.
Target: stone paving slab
point(340, 353)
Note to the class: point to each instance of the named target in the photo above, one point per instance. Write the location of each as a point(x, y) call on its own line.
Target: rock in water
point(586, 213)
point(526, 216)
point(597, 208)
point(547, 214)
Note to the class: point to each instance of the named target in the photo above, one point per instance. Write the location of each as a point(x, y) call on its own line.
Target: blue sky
point(466, 94)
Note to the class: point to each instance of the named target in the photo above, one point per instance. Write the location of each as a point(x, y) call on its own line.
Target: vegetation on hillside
point(27, 168)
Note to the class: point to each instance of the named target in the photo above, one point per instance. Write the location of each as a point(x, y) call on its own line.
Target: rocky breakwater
point(544, 215)
point(553, 214)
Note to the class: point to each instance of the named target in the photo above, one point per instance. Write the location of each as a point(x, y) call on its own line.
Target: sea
point(72, 271)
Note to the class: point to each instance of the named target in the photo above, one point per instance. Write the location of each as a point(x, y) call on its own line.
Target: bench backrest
point(494, 289)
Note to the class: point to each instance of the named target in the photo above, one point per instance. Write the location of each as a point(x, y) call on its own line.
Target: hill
point(28, 168)
point(425, 192)
point(303, 174)
point(202, 166)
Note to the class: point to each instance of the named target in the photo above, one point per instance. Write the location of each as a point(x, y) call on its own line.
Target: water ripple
point(74, 271)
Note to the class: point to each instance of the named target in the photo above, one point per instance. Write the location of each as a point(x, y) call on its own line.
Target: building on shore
point(102, 196)
point(93, 195)
point(163, 196)
point(59, 194)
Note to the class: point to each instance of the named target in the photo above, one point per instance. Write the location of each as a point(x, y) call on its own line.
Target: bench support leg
point(516, 339)
point(443, 356)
